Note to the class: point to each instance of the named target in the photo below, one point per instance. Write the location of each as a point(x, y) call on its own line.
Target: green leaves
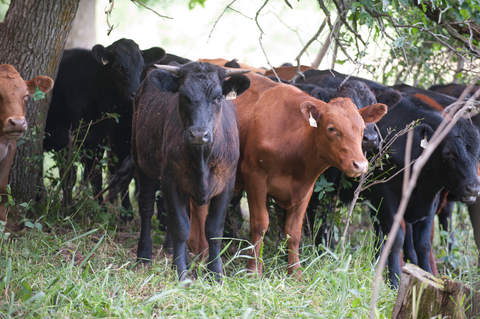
point(322, 186)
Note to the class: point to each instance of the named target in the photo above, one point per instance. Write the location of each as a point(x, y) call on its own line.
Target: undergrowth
point(78, 273)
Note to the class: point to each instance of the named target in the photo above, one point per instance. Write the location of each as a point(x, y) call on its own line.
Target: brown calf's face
point(14, 93)
point(338, 137)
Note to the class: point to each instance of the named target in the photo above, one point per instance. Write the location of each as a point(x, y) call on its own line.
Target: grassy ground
point(89, 273)
point(83, 267)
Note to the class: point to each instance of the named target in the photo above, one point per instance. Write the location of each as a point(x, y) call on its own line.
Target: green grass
point(55, 273)
point(77, 268)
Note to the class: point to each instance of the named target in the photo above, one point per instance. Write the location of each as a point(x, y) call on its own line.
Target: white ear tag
point(424, 142)
point(312, 121)
point(231, 96)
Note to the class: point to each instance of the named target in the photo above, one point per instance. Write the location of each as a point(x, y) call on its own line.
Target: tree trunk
point(421, 295)
point(32, 39)
point(83, 34)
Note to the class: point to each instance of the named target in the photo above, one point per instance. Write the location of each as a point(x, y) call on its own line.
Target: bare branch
point(317, 34)
point(108, 13)
point(219, 17)
point(143, 5)
point(260, 38)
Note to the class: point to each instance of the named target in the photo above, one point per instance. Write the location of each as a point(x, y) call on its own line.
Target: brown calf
point(287, 72)
point(222, 62)
point(14, 93)
point(281, 155)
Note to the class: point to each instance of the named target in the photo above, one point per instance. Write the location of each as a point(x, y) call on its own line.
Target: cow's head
point(14, 94)
point(339, 131)
point(456, 159)
point(121, 64)
point(202, 89)
point(361, 96)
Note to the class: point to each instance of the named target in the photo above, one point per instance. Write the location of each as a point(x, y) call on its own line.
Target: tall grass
point(60, 273)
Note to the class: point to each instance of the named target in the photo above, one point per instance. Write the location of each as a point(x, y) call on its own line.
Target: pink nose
point(15, 126)
point(359, 167)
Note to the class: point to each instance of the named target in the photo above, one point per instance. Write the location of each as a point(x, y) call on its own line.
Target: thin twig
point(108, 13)
point(317, 34)
point(219, 17)
point(143, 5)
point(260, 39)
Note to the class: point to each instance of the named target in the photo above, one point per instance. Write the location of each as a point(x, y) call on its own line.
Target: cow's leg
point(214, 228)
point(378, 238)
point(293, 228)
point(161, 210)
point(163, 221)
point(256, 189)
point(445, 220)
point(69, 180)
point(421, 241)
point(234, 218)
point(409, 253)
point(197, 240)
point(178, 209)
point(385, 215)
point(145, 204)
point(474, 212)
point(94, 174)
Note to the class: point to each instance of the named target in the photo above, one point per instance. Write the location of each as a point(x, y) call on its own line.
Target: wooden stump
point(423, 296)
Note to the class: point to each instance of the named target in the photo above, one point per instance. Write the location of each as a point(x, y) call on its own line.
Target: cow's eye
point(218, 99)
point(447, 154)
point(331, 129)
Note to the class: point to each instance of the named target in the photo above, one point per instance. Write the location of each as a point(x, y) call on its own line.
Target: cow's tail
point(120, 181)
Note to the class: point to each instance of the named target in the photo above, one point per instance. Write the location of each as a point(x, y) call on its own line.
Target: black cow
point(90, 84)
point(454, 89)
point(440, 101)
point(452, 166)
point(333, 79)
point(185, 137)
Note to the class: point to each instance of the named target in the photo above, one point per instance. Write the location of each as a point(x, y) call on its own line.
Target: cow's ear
point(310, 111)
point(43, 83)
point(423, 131)
point(389, 98)
point(100, 54)
point(373, 113)
point(163, 80)
point(237, 83)
point(232, 64)
point(321, 94)
point(153, 55)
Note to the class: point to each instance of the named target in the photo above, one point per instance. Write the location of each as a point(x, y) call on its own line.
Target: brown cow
point(287, 72)
point(281, 155)
point(14, 93)
point(222, 62)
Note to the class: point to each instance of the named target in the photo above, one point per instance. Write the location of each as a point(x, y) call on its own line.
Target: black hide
point(90, 84)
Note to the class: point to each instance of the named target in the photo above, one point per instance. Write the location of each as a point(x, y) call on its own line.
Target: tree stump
point(423, 296)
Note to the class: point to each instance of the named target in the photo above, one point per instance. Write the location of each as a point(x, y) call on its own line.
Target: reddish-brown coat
point(287, 72)
point(221, 62)
point(14, 93)
point(282, 155)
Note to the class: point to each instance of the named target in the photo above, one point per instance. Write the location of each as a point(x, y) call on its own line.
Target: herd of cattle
point(201, 131)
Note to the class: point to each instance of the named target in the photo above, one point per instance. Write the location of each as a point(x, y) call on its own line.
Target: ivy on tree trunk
point(32, 39)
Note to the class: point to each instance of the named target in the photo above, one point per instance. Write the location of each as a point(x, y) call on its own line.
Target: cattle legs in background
point(474, 212)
